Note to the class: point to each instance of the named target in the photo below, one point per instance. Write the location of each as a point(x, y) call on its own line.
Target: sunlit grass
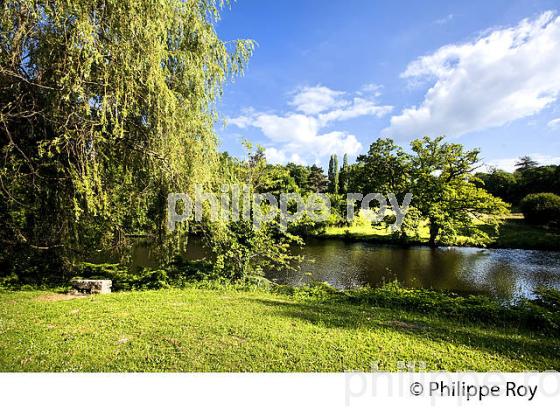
point(514, 233)
point(232, 330)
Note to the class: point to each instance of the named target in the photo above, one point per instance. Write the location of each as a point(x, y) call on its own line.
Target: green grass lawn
point(234, 330)
point(367, 233)
point(514, 233)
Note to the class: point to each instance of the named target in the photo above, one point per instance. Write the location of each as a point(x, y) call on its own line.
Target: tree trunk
point(434, 232)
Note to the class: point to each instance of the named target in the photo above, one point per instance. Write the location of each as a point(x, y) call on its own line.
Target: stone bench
point(100, 286)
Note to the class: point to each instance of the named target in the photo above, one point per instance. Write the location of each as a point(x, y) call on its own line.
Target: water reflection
point(505, 273)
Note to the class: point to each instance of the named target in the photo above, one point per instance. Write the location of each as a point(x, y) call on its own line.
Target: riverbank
point(515, 233)
point(229, 329)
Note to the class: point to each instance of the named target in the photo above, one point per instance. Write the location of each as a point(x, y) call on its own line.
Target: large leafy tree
point(499, 183)
point(385, 168)
point(537, 179)
point(445, 193)
point(317, 181)
point(105, 107)
point(513, 187)
point(526, 162)
point(300, 174)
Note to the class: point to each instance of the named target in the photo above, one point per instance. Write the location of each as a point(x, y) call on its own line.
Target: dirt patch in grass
point(57, 297)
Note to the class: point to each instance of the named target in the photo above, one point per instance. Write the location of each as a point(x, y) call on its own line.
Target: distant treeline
point(446, 188)
point(528, 178)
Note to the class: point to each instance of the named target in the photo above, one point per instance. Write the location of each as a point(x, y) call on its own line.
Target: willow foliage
point(105, 106)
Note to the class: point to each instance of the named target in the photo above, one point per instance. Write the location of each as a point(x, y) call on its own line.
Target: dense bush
point(177, 274)
point(121, 277)
point(541, 209)
point(32, 267)
point(243, 249)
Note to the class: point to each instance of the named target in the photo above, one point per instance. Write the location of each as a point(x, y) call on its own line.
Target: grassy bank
point(235, 330)
point(514, 233)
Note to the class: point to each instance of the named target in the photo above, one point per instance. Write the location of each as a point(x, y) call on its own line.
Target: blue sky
point(332, 76)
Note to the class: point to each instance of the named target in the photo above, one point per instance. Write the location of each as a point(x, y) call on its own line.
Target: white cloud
point(243, 121)
point(300, 136)
point(296, 136)
point(313, 100)
point(502, 76)
point(294, 128)
point(554, 123)
point(359, 107)
point(373, 89)
point(508, 164)
point(331, 105)
point(277, 156)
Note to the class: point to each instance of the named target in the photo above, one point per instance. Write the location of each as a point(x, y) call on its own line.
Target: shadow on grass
point(515, 233)
point(529, 347)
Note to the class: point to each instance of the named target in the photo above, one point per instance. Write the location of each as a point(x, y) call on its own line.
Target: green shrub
point(541, 209)
point(176, 274)
point(182, 271)
point(10, 282)
point(35, 267)
point(548, 298)
point(118, 274)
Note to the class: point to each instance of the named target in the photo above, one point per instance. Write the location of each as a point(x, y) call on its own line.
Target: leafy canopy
point(105, 107)
point(440, 177)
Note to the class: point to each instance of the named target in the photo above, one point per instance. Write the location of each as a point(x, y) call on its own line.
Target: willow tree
point(105, 107)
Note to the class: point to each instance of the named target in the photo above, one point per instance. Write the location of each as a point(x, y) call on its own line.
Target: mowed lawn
point(230, 330)
point(514, 233)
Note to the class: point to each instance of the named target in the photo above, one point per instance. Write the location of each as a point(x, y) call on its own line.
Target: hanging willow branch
point(105, 106)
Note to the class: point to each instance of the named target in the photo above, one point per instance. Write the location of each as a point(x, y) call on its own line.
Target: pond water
point(505, 273)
